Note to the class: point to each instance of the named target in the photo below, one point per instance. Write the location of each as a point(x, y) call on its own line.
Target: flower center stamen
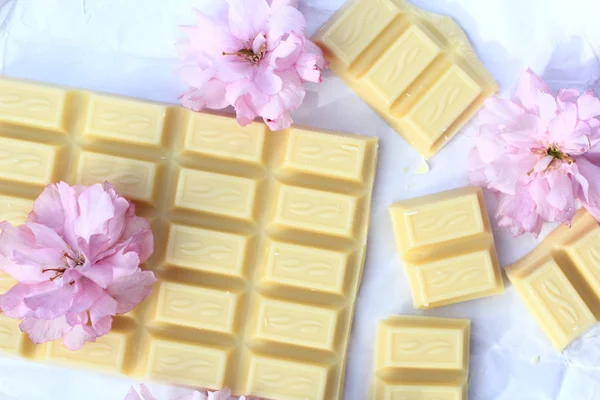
point(555, 152)
point(249, 55)
point(557, 156)
point(71, 261)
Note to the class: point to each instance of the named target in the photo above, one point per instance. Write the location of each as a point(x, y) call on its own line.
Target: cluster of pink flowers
point(223, 394)
point(254, 56)
point(539, 153)
point(77, 262)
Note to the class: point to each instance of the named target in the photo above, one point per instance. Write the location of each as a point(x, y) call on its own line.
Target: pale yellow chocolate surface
point(415, 68)
point(421, 358)
point(447, 247)
point(260, 237)
point(559, 281)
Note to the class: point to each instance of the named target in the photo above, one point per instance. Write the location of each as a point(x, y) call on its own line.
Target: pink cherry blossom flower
point(539, 153)
point(254, 57)
point(76, 260)
point(223, 394)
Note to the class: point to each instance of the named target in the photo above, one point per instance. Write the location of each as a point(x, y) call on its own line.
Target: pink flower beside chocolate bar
point(254, 57)
point(76, 260)
point(539, 153)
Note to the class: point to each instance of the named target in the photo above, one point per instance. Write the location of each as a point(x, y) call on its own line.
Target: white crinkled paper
point(126, 47)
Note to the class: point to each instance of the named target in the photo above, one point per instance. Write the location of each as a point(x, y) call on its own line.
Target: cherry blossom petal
point(547, 107)
point(92, 227)
point(543, 163)
point(267, 81)
point(212, 36)
point(130, 290)
point(51, 304)
point(506, 173)
point(210, 95)
point(540, 192)
point(48, 209)
point(22, 258)
point(78, 336)
point(195, 75)
point(102, 325)
point(562, 127)
point(588, 106)
point(101, 273)
point(285, 56)
point(95, 204)
point(258, 44)
point(528, 88)
point(245, 110)
point(138, 229)
point(566, 97)
point(12, 303)
point(283, 121)
point(498, 111)
point(284, 20)
point(488, 142)
point(101, 311)
point(310, 63)
point(121, 263)
point(132, 395)
point(247, 18)
point(247, 99)
point(523, 132)
point(561, 194)
point(47, 238)
point(223, 394)
point(43, 330)
point(588, 169)
point(69, 196)
point(289, 98)
point(87, 293)
point(284, 3)
point(81, 318)
point(518, 213)
point(476, 172)
point(146, 393)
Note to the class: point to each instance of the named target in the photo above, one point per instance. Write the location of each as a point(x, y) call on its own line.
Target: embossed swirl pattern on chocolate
point(421, 358)
point(559, 281)
point(260, 237)
point(416, 69)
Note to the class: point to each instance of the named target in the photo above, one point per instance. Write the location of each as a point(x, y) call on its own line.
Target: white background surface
point(126, 47)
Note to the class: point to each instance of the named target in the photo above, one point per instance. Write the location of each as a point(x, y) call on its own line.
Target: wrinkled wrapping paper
point(126, 47)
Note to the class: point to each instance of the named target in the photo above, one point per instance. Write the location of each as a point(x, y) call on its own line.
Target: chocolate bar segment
point(447, 247)
point(416, 69)
point(559, 280)
point(421, 358)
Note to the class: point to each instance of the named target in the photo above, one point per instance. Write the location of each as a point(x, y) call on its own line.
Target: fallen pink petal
point(223, 394)
point(253, 56)
point(539, 153)
point(77, 262)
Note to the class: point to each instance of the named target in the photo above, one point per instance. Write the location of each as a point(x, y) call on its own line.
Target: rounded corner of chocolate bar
point(512, 271)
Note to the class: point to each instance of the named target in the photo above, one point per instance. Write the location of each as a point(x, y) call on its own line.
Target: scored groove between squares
point(140, 338)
